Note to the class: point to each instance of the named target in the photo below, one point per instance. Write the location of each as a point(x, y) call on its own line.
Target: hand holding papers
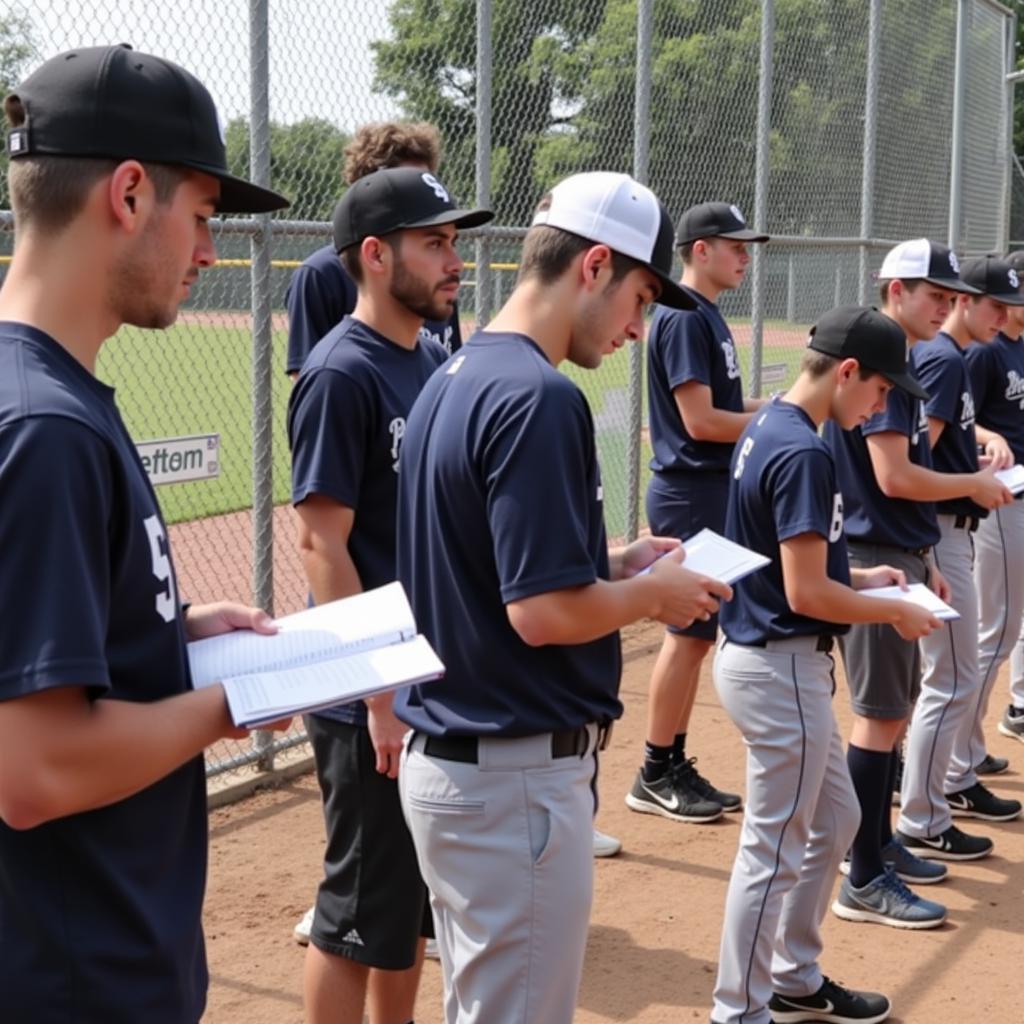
point(332, 654)
point(916, 593)
point(711, 554)
point(1012, 478)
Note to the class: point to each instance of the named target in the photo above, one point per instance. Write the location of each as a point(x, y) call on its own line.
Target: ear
point(374, 255)
point(595, 265)
point(128, 191)
point(846, 370)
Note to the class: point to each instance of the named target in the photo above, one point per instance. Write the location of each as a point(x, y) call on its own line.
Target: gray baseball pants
point(505, 847)
point(949, 691)
point(800, 816)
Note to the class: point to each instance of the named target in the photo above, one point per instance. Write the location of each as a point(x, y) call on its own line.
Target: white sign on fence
point(774, 373)
point(178, 459)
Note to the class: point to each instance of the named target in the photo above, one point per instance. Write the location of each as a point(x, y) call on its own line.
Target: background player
point(951, 687)
point(117, 164)
point(697, 410)
point(321, 293)
point(503, 551)
point(774, 674)
point(395, 230)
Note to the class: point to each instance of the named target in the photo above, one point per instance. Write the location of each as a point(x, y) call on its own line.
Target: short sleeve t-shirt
point(346, 425)
point(997, 381)
point(784, 485)
point(687, 345)
point(870, 516)
point(99, 911)
point(321, 294)
point(942, 369)
point(500, 499)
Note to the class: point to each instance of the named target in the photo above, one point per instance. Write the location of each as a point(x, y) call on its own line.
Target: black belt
point(567, 743)
point(825, 642)
point(968, 523)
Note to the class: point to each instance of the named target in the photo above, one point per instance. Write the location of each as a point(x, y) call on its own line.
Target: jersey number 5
point(167, 600)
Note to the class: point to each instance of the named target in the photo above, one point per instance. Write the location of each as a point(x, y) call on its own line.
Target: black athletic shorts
point(372, 905)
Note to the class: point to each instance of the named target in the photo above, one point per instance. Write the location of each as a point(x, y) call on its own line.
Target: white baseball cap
point(923, 260)
point(614, 210)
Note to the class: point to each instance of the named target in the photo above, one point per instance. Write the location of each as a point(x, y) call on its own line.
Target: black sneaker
point(687, 770)
point(1012, 723)
point(671, 797)
point(990, 765)
point(949, 845)
point(978, 801)
point(831, 1003)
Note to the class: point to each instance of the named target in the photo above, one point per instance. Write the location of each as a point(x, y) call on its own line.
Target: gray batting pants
point(949, 691)
point(999, 584)
point(505, 847)
point(799, 819)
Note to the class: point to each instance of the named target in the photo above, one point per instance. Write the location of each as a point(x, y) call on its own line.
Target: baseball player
point(321, 293)
point(396, 231)
point(697, 410)
point(117, 165)
point(889, 488)
point(774, 675)
point(997, 380)
point(934, 786)
point(502, 549)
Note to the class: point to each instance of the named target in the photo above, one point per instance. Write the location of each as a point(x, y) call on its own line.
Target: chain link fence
point(839, 126)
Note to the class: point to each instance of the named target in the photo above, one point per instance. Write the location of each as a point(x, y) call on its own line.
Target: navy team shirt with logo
point(500, 500)
point(99, 911)
point(997, 380)
point(346, 425)
point(689, 345)
point(784, 485)
point(942, 369)
point(870, 516)
point(321, 294)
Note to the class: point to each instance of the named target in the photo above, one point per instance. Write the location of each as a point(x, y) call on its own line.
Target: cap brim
point(671, 294)
point(745, 235)
point(904, 382)
point(1007, 298)
point(239, 196)
point(460, 218)
point(951, 284)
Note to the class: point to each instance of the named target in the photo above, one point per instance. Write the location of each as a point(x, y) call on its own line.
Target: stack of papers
point(711, 554)
point(916, 593)
point(1012, 478)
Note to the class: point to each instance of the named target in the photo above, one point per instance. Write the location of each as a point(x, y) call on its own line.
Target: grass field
point(197, 379)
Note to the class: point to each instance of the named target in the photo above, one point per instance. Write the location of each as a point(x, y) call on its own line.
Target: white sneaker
point(304, 927)
point(605, 845)
point(430, 950)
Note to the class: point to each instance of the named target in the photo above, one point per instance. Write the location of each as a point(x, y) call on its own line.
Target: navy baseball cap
point(614, 210)
point(118, 103)
point(715, 220)
point(876, 341)
point(994, 277)
point(923, 260)
point(395, 199)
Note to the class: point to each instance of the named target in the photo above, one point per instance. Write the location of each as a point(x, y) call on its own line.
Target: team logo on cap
point(735, 211)
point(438, 189)
point(1014, 279)
point(954, 263)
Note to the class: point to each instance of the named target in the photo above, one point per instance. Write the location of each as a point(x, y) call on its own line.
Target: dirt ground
point(655, 927)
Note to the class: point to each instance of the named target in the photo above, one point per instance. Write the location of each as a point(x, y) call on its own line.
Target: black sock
point(679, 748)
point(869, 770)
point(890, 788)
point(657, 761)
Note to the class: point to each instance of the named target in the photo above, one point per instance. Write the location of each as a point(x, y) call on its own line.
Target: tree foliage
point(17, 49)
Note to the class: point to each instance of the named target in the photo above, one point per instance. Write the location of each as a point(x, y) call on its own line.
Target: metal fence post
point(764, 114)
point(482, 298)
point(1010, 27)
point(867, 177)
point(262, 337)
point(956, 166)
point(641, 149)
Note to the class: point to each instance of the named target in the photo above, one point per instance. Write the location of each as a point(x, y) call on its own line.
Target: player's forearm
point(916, 483)
point(832, 601)
point(716, 425)
point(330, 571)
point(73, 755)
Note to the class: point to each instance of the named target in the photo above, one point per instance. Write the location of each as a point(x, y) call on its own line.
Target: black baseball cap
point(921, 259)
point(876, 341)
point(994, 277)
point(119, 103)
point(395, 199)
point(715, 220)
point(1016, 260)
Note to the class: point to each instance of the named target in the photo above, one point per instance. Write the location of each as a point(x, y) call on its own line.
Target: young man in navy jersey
point(117, 164)
point(889, 488)
point(774, 675)
point(697, 410)
point(396, 231)
point(937, 784)
point(502, 549)
point(321, 293)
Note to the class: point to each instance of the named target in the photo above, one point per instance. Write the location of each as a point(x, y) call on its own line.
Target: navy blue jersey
point(689, 345)
point(321, 294)
point(870, 516)
point(499, 500)
point(997, 380)
point(346, 424)
point(942, 369)
point(784, 485)
point(99, 911)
